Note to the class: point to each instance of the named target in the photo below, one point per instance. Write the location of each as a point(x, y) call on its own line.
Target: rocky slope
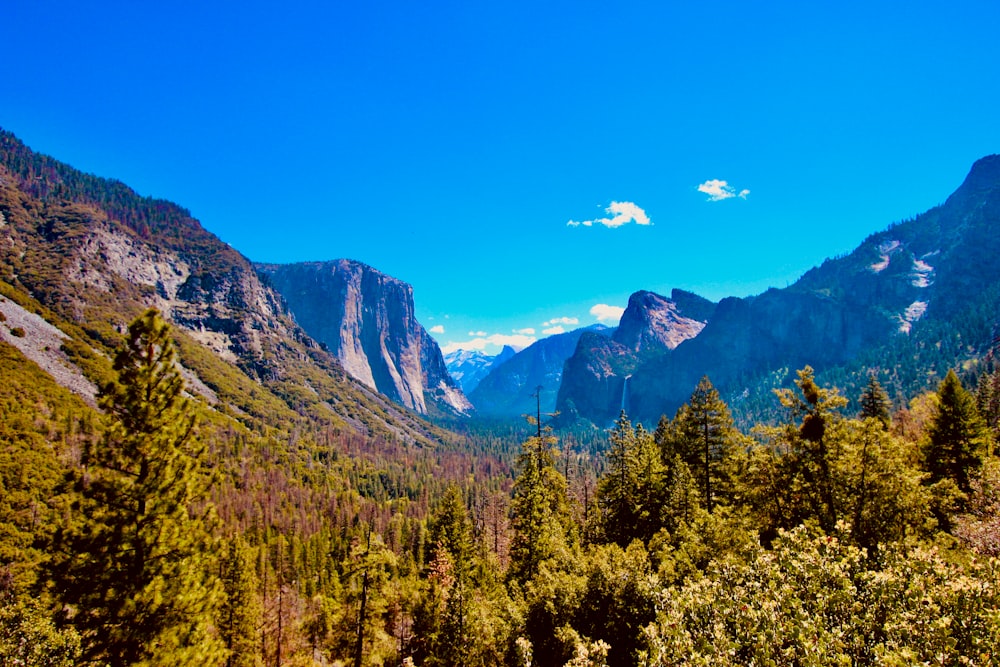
point(89, 254)
point(367, 321)
point(910, 301)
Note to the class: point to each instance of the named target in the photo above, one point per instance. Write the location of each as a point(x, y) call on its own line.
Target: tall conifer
point(136, 566)
point(957, 436)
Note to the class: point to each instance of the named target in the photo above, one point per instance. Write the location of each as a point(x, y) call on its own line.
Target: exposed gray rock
point(367, 320)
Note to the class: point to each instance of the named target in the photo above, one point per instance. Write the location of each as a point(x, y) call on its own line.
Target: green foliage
point(630, 493)
point(540, 516)
point(703, 435)
point(814, 600)
point(135, 565)
point(875, 403)
point(240, 614)
point(957, 437)
point(29, 637)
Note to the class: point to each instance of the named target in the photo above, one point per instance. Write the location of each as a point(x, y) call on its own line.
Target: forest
point(156, 531)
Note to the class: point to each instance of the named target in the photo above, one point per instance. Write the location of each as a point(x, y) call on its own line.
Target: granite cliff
point(366, 319)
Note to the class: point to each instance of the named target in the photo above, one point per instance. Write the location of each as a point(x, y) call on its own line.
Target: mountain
point(469, 367)
point(508, 390)
point(598, 371)
point(908, 303)
point(87, 255)
point(366, 319)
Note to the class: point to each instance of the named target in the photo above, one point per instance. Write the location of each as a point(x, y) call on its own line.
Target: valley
point(744, 481)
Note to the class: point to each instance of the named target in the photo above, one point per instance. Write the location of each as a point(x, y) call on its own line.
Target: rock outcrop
point(596, 382)
point(367, 320)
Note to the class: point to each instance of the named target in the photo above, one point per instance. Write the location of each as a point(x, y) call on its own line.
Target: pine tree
point(445, 608)
point(875, 403)
point(704, 436)
point(240, 616)
point(540, 514)
point(956, 438)
point(136, 567)
point(806, 464)
point(629, 494)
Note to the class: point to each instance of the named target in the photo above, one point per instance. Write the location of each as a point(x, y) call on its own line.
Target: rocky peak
point(652, 322)
point(367, 320)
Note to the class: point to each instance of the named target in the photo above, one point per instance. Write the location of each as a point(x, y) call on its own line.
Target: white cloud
point(525, 332)
point(621, 212)
point(605, 313)
point(552, 331)
point(568, 321)
point(518, 341)
point(718, 190)
point(438, 329)
point(477, 334)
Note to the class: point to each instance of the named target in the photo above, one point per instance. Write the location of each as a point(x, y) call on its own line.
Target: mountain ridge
point(930, 269)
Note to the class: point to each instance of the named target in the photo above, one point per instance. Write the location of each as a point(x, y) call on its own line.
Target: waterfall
point(625, 392)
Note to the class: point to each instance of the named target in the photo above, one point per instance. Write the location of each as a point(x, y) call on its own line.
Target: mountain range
point(469, 367)
point(338, 341)
point(910, 302)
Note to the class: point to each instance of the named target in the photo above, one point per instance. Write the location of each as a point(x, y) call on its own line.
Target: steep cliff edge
point(367, 320)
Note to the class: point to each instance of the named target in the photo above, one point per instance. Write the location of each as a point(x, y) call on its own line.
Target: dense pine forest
point(154, 531)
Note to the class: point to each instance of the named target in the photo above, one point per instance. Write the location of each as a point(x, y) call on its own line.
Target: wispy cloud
point(620, 213)
point(605, 313)
point(477, 334)
point(568, 321)
point(519, 341)
point(437, 328)
point(552, 331)
point(528, 331)
point(718, 190)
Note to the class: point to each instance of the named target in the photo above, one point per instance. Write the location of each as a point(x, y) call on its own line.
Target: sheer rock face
point(938, 272)
point(654, 323)
point(366, 319)
point(597, 379)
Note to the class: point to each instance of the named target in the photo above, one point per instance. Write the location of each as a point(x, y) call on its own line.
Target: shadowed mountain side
point(940, 269)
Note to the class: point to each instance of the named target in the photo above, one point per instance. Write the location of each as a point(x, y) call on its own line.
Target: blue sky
point(451, 144)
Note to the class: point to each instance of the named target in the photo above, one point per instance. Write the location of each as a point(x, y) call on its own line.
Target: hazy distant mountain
point(509, 388)
point(367, 320)
point(469, 367)
point(908, 303)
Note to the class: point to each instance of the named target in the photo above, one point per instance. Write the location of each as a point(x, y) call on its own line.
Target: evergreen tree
point(875, 403)
point(988, 404)
point(136, 566)
point(956, 438)
point(795, 472)
point(629, 494)
point(444, 612)
point(705, 437)
point(540, 514)
point(240, 615)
